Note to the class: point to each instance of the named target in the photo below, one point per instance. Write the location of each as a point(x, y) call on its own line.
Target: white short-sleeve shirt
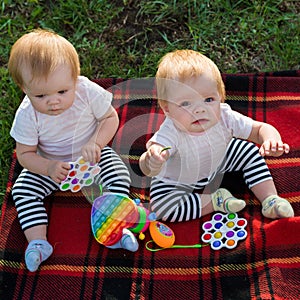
point(61, 137)
point(196, 157)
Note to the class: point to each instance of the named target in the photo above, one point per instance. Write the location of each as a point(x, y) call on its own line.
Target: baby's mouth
point(55, 111)
point(200, 121)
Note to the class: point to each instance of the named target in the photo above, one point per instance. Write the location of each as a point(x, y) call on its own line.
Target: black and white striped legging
point(182, 202)
point(30, 189)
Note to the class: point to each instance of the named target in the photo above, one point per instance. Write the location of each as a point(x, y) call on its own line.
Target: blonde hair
point(42, 51)
point(181, 65)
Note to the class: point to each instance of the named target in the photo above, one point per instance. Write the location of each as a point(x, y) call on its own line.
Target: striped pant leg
point(180, 203)
point(114, 175)
point(175, 203)
point(28, 194)
point(244, 156)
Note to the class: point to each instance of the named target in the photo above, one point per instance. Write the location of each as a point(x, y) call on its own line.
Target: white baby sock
point(223, 201)
point(127, 241)
point(37, 251)
point(274, 207)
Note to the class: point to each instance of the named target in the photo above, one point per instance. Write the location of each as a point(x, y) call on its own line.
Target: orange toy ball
point(161, 234)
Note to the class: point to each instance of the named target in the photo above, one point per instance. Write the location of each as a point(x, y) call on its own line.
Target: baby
point(63, 116)
point(201, 138)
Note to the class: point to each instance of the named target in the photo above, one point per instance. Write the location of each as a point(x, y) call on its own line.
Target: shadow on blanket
point(264, 266)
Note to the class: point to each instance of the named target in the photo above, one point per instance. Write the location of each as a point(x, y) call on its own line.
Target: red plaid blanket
point(266, 265)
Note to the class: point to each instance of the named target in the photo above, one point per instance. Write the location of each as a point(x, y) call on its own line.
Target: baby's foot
point(274, 207)
point(127, 241)
point(37, 251)
point(223, 201)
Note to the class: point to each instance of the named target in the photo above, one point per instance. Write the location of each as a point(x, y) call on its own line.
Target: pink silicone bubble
point(96, 171)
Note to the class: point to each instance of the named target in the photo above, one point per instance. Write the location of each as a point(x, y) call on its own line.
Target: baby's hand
point(91, 152)
point(273, 148)
point(58, 170)
point(156, 156)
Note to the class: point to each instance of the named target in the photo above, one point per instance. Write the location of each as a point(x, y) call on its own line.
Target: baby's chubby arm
point(269, 138)
point(29, 159)
point(153, 159)
point(104, 132)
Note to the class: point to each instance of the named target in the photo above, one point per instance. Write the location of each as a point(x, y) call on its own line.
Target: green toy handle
point(174, 246)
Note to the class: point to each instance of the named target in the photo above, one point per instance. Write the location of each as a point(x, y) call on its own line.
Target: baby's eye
point(185, 103)
point(209, 99)
point(39, 96)
point(62, 91)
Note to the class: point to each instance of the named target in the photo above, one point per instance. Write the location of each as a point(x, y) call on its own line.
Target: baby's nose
point(54, 99)
point(199, 109)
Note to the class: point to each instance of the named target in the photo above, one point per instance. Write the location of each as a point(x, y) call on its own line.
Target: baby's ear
point(22, 88)
point(164, 106)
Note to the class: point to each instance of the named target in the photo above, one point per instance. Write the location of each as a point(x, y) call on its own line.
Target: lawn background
point(127, 38)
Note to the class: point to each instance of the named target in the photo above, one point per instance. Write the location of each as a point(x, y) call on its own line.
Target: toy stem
point(165, 148)
point(174, 246)
point(189, 246)
point(91, 198)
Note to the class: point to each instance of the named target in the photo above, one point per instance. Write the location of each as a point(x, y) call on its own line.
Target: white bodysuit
point(194, 157)
point(61, 137)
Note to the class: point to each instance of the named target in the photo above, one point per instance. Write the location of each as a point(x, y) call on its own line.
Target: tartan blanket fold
point(266, 265)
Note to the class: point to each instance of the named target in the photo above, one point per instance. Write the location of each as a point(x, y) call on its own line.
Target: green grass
point(127, 38)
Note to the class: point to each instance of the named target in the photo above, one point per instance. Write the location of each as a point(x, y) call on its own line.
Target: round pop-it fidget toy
point(81, 174)
point(111, 213)
point(224, 231)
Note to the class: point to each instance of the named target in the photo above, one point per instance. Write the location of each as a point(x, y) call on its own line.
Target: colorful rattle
point(224, 231)
point(111, 213)
point(81, 174)
point(162, 235)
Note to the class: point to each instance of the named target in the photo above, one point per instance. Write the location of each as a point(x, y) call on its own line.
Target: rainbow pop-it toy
point(111, 213)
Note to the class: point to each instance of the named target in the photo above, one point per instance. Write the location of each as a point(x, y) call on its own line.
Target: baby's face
point(52, 95)
point(194, 106)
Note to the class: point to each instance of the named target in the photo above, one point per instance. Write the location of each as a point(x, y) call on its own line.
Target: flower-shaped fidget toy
point(81, 174)
point(224, 231)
